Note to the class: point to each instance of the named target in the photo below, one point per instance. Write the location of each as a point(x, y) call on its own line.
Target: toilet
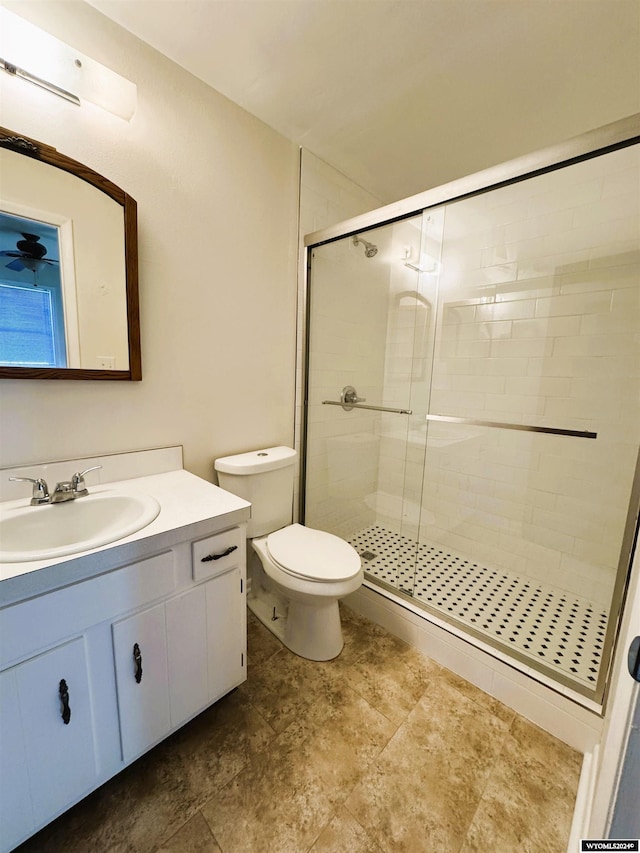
point(298, 574)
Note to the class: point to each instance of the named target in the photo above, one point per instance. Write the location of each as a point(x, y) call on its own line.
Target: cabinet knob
point(137, 660)
point(226, 553)
point(63, 690)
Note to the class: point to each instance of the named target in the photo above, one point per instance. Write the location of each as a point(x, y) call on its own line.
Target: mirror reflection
point(68, 269)
point(32, 330)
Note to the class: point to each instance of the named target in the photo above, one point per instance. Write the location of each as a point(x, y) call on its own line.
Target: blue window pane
point(27, 336)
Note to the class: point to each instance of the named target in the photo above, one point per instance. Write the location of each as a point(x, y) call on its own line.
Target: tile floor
point(561, 630)
point(379, 751)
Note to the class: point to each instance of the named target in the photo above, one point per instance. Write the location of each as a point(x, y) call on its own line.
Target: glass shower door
point(363, 464)
point(534, 415)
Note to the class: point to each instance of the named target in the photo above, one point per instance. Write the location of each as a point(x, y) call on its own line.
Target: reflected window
point(32, 325)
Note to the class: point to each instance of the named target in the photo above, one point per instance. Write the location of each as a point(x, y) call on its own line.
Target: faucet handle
point(79, 485)
point(40, 493)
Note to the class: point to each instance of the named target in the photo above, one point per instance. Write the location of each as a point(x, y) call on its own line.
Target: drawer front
point(217, 554)
point(33, 625)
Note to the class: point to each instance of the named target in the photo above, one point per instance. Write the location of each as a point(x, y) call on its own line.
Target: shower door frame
point(612, 137)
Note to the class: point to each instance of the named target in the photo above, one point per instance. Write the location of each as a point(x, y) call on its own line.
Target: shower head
point(369, 249)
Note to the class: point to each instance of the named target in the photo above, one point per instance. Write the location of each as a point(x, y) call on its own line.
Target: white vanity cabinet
point(174, 659)
point(97, 672)
point(142, 677)
point(46, 738)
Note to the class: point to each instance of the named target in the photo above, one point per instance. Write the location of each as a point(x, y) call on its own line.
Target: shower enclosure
point(472, 400)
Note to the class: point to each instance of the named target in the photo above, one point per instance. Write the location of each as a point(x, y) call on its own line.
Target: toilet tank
point(265, 479)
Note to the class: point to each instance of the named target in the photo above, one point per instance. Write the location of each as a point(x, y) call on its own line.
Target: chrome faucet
point(78, 483)
point(40, 494)
point(66, 490)
point(69, 490)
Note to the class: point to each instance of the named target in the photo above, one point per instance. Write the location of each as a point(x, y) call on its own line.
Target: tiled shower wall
point(539, 323)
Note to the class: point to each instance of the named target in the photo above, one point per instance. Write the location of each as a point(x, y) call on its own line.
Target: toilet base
point(314, 631)
point(311, 631)
point(264, 607)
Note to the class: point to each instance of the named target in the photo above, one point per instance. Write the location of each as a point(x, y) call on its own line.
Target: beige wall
point(217, 214)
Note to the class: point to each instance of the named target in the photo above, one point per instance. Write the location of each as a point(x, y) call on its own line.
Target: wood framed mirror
point(69, 305)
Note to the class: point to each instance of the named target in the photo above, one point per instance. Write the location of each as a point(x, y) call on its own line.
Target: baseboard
point(584, 799)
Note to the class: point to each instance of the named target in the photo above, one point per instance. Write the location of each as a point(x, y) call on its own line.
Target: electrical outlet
point(106, 362)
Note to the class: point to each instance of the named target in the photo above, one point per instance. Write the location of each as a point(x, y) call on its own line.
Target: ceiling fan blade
point(16, 265)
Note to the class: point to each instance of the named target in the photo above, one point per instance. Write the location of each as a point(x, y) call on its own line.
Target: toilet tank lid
point(256, 461)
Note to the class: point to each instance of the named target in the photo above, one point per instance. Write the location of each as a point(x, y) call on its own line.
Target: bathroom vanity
point(105, 653)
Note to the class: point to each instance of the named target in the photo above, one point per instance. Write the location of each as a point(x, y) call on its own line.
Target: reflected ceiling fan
point(30, 256)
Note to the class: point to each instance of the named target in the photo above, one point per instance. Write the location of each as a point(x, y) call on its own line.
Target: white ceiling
point(402, 95)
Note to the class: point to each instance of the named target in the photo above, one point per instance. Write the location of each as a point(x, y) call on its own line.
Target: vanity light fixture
point(31, 54)
point(38, 81)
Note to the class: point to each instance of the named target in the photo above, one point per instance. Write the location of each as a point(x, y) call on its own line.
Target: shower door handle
point(349, 400)
point(349, 406)
point(350, 397)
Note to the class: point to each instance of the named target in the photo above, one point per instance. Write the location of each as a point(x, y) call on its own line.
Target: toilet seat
point(313, 554)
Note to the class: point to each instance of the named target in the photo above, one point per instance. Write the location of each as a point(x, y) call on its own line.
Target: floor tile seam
point(436, 672)
point(167, 840)
point(382, 713)
point(192, 808)
point(264, 748)
point(540, 764)
point(361, 655)
point(356, 819)
point(317, 838)
point(479, 704)
point(410, 649)
point(377, 711)
point(210, 828)
point(489, 777)
point(319, 724)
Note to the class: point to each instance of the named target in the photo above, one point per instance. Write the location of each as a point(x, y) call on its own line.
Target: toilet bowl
point(312, 570)
point(301, 573)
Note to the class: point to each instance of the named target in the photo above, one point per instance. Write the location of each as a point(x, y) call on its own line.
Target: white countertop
point(187, 503)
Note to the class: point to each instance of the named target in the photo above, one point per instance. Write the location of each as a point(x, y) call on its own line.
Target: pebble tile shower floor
point(561, 630)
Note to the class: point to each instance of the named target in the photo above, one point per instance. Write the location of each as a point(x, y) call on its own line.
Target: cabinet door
point(187, 652)
point(16, 812)
point(226, 633)
point(140, 652)
point(57, 720)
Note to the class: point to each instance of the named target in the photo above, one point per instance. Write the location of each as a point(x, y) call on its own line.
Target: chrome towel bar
point(576, 433)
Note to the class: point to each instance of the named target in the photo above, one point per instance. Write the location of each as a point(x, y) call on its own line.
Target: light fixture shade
point(40, 55)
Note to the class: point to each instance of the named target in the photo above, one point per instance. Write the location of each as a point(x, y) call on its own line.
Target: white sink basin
point(55, 530)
